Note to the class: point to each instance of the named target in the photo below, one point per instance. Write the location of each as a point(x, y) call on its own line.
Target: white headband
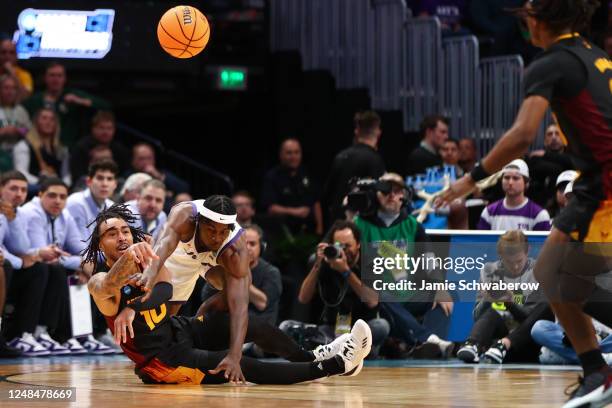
point(216, 217)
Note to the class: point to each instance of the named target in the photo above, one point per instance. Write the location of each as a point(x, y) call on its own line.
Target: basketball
point(183, 31)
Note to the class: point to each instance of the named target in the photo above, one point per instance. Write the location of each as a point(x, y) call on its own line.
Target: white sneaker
point(74, 346)
point(109, 341)
point(53, 346)
point(94, 346)
point(444, 345)
point(327, 351)
point(355, 348)
point(29, 346)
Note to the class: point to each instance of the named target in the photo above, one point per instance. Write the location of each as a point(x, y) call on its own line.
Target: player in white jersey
point(198, 236)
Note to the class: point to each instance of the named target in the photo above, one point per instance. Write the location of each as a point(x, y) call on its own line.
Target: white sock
point(443, 344)
point(40, 330)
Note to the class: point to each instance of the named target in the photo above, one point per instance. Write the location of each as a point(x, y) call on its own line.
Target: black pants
point(202, 345)
point(24, 300)
point(55, 313)
point(491, 327)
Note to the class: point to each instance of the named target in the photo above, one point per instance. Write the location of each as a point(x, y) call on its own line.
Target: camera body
point(362, 198)
point(333, 251)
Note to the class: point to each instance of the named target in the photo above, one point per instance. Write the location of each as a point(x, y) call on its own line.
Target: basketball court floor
point(109, 381)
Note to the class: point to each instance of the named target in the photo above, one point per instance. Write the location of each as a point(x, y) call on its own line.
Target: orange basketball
point(183, 31)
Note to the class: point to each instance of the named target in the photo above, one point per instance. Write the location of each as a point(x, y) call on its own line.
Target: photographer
point(425, 318)
point(504, 317)
point(335, 274)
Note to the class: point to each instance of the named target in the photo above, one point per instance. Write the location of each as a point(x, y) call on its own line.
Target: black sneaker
point(593, 391)
point(468, 353)
point(495, 354)
point(7, 351)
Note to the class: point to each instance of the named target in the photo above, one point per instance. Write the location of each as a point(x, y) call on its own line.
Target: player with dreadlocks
point(177, 349)
point(574, 78)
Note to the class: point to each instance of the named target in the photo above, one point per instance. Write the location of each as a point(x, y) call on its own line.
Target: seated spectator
point(559, 201)
point(143, 160)
point(545, 165)
point(337, 279)
point(361, 160)
point(425, 318)
point(14, 243)
point(498, 311)
point(434, 132)
point(451, 14)
point(556, 347)
point(70, 104)
point(468, 154)
point(266, 287)
point(8, 66)
point(245, 207)
point(132, 186)
point(55, 236)
point(85, 205)
point(14, 121)
point(149, 207)
point(450, 155)
point(41, 154)
point(289, 193)
point(96, 154)
point(102, 134)
point(515, 210)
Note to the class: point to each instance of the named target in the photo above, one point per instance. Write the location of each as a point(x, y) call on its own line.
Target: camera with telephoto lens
point(333, 251)
point(362, 198)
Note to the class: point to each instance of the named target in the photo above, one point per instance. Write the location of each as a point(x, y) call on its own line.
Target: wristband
point(478, 173)
point(346, 274)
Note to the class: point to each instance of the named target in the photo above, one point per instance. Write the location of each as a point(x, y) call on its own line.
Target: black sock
point(591, 361)
point(332, 366)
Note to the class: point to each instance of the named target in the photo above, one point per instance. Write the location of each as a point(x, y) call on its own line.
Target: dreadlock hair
point(92, 252)
point(220, 204)
point(560, 15)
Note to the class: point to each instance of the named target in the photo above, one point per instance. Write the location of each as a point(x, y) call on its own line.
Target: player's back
point(576, 77)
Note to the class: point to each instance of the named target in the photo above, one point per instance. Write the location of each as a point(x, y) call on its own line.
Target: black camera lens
point(331, 252)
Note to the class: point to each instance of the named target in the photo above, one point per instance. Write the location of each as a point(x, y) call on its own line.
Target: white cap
point(567, 175)
point(517, 165)
point(569, 188)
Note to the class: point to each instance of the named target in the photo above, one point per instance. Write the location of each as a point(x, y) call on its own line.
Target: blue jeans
point(550, 335)
point(405, 324)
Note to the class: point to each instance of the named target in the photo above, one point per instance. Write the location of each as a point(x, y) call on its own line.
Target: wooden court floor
point(105, 382)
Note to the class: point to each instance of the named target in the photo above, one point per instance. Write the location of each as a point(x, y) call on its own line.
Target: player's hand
point(231, 366)
point(142, 253)
point(123, 324)
point(465, 185)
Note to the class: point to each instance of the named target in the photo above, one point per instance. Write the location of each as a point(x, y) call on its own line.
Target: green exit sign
point(233, 79)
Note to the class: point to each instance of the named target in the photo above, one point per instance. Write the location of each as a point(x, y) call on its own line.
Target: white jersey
point(186, 263)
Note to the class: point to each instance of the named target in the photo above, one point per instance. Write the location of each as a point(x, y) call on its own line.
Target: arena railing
point(202, 179)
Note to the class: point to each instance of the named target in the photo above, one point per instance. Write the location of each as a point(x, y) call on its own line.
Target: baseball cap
point(567, 175)
point(393, 178)
point(517, 165)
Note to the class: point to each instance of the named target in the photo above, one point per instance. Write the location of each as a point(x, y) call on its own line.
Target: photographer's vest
point(381, 241)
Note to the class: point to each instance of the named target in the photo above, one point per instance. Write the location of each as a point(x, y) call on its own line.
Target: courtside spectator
point(71, 105)
point(8, 66)
point(515, 211)
point(103, 128)
point(41, 153)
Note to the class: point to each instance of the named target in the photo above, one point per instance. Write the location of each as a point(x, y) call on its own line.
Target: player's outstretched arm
point(179, 222)
point(237, 280)
point(104, 287)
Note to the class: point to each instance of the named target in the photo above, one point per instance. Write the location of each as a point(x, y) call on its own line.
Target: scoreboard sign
point(64, 33)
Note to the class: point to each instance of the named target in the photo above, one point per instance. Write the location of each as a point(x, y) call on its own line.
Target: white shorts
point(184, 278)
